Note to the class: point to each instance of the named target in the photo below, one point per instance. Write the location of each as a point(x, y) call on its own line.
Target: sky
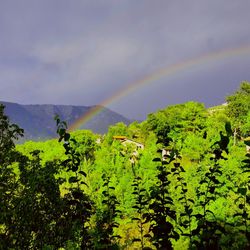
point(81, 52)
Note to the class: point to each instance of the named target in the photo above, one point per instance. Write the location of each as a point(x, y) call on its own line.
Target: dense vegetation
point(184, 184)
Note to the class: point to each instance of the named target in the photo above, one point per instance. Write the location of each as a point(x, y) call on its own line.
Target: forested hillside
point(178, 180)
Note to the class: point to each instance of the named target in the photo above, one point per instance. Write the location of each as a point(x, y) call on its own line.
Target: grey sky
point(83, 52)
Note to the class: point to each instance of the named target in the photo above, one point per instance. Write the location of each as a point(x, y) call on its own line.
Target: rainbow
point(164, 72)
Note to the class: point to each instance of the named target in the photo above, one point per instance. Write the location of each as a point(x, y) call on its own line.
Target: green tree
point(238, 108)
point(239, 102)
point(86, 144)
point(177, 120)
point(118, 129)
point(8, 134)
point(8, 177)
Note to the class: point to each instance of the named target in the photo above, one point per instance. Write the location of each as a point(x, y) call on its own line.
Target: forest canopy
point(178, 180)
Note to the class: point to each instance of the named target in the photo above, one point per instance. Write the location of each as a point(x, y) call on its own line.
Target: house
point(125, 141)
point(119, 138)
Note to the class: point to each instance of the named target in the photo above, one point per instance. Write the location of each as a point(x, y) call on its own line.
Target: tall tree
point(8, 134)
point(239, 103)
point(238, 110)
point(177, 120)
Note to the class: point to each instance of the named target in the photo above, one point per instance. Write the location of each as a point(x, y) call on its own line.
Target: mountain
point(39, 124)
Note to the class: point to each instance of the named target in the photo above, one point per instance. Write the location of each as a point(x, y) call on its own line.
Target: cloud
point(83, 52)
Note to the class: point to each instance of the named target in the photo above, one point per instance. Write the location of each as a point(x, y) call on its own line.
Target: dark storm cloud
point(82, 52)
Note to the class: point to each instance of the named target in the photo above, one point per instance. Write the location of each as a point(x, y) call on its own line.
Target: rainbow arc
point(159, 74)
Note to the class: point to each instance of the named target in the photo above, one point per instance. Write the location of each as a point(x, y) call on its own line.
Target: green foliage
point(8, 134)
point(34, 214)
point(36, 207)
point(243, 200)
point(141, 207)
point(80, 208)
point(94, 192)
point(106, 218)
point(119, 129)
point(85, 145)
point(245, 128)
point(239, 103)
point(162, 212)
point(174, 121)
point(185, 217)
point(238, 108)
point(208, 229)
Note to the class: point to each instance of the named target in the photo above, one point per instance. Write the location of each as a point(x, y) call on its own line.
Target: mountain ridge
point(38, 122)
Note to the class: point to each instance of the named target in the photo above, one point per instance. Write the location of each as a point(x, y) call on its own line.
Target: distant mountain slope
point(38, 120)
